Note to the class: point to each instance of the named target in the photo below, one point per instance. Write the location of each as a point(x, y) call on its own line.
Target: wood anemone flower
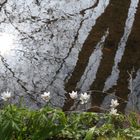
point(6, 95)
point(73, 95)
point(46, 96)
point(84, 97)
point(114, 103)
point(113, 111)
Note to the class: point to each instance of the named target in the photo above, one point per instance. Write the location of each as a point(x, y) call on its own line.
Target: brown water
point(62, 46)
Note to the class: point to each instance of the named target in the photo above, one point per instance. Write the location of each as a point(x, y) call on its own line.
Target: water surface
point(60, 46)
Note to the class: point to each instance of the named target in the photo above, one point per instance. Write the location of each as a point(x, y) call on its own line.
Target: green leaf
point(15, 126)
point(136, 138)
point(89, 134)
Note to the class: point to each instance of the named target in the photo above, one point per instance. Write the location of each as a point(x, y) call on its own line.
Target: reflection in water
point(61, 46)
point(112, 79)
point(51, 37)
point(65, 69)
point(6, 43)
point(115, 21)
point(92, 67)
point(130, 60)
point(134, 97)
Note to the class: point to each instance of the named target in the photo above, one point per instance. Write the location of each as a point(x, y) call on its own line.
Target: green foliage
point(89, 134)
point(22, 123)
point(19, 123)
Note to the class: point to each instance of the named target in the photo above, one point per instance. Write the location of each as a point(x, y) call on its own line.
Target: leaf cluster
point(20, 123)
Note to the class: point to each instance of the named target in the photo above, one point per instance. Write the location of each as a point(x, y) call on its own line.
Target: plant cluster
point(48, 123)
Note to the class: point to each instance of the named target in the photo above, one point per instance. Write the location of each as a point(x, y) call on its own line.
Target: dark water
point(60, 46)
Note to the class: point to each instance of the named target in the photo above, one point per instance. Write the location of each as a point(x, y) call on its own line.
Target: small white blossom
point(84, 98)
point(113, 111)
point(114, 103)
point(6, 95)
point(46, 96)
point(73, 95)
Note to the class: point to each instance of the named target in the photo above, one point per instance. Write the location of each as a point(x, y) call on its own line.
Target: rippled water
point(60, 46)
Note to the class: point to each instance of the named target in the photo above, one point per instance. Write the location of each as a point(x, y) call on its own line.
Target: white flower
point(6, 95)
point(84, 98)
point(46, 96)
point(114, 103)
point(113, 111)
point(73, 95)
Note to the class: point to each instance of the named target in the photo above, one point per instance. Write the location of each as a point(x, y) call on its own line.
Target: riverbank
point(17, 122)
